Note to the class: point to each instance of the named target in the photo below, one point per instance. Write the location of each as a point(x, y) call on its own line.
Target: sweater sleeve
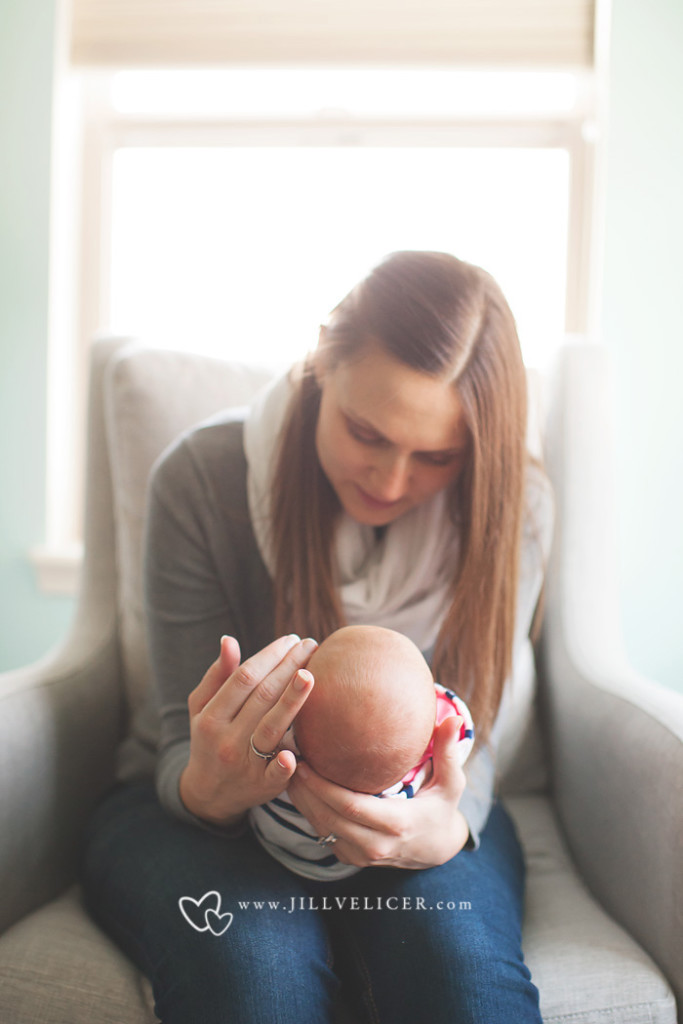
point(537, 532)
point(203, 579)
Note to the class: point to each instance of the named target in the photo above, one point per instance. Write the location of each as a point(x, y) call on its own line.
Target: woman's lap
point(439, 944)
point(448, 946)
point(139, 862)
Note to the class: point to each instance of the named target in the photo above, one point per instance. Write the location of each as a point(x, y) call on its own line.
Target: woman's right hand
point(232, 705)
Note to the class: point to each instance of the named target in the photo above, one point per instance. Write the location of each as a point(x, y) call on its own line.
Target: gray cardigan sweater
point(204, 577)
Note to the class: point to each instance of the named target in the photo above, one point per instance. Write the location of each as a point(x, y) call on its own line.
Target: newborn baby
point(367, 725)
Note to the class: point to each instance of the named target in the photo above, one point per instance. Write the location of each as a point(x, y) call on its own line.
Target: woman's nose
point(390, 478)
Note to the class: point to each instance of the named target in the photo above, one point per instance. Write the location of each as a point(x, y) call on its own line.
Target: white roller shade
point(148, 33)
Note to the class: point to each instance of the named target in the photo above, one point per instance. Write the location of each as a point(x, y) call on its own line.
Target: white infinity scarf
point(400, 581)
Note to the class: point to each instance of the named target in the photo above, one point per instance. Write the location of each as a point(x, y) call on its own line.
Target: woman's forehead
point(405, 405)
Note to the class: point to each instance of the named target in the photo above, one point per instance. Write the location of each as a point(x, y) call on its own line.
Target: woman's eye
point(438, 460)
point(360, 434)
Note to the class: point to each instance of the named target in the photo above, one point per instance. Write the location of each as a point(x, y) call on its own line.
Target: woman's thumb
point(447, 769)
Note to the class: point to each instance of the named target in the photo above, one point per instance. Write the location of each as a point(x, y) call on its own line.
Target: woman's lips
point(375, 502)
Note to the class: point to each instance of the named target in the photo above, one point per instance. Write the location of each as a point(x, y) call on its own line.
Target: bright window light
point(433, 93)
point(242, 252)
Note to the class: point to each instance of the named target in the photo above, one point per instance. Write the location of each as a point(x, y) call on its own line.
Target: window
point(249, 264)
point(228, 211)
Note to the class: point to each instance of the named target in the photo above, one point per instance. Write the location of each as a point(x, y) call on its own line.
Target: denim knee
point(450, 949)
point(253, 966)
point(257, 977)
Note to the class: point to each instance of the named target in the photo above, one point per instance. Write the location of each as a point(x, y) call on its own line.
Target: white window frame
point(85, 191)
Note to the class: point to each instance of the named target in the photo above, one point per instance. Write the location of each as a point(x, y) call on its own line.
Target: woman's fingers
point(270, 663)
point(222, 668)
point(270, 730)
point(416, 833)
point(271, 690)
point(328, 806)
point(226, 774)
point(368, 830)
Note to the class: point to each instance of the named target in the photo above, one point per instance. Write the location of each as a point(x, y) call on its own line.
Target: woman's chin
point(369, 511)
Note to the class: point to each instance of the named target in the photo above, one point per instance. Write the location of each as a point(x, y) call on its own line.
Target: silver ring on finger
point(259, 753)
point(327, 840)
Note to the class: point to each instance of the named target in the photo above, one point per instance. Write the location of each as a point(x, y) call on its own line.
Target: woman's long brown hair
point(444, 317)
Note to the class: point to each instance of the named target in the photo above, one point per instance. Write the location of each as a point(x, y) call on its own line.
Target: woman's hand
point(417, 833)
point(233, 705)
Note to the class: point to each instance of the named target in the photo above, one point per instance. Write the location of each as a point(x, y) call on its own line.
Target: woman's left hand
point(417, 833)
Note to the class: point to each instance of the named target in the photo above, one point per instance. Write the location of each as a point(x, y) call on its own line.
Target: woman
point(384, 481)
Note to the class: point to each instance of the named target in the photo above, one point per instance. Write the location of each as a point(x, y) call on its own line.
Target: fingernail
point(302, 679)
point(309, 644)
point(294, 637)
point(281, 763)
point(302, 770)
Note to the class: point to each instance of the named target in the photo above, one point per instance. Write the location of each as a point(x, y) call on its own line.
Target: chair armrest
point(60, 723)
point(61, 719)
point(617, 776)
point(616, 739)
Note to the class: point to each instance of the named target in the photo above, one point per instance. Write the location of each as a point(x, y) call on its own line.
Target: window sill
point(58, 568)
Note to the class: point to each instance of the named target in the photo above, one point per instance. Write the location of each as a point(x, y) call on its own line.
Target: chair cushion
point(587, 968)
point(57, 965)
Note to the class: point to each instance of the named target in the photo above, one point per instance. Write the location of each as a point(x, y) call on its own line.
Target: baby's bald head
point(371, 713)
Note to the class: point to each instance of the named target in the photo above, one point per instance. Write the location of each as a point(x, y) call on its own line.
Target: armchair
point(594, 780)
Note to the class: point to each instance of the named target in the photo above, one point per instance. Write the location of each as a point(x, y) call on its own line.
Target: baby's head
point(370, 715)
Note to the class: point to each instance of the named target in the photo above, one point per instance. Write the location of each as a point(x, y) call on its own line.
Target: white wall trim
point(58, 570)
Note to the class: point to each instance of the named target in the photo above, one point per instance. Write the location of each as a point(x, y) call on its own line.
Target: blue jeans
point(442, 944)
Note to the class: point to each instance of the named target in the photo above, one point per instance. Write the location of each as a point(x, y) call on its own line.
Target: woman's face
point(388, 437)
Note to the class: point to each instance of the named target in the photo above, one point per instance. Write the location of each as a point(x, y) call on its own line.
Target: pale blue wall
point(30, 622)
point(643, 323)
